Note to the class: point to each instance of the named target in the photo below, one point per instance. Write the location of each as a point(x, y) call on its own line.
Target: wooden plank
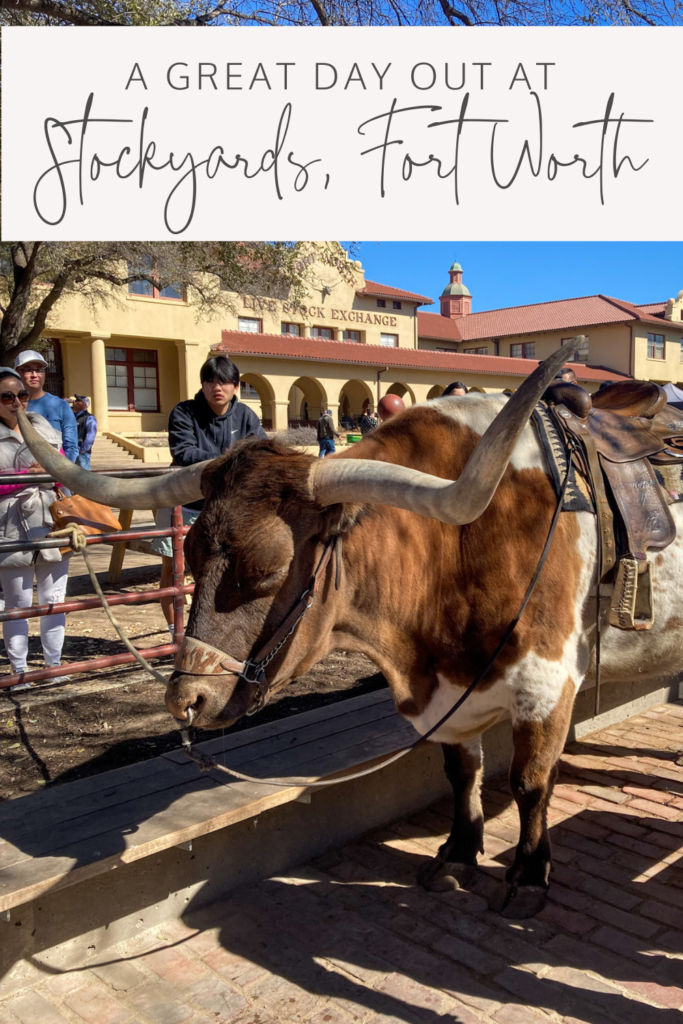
point(130, 813)
point(285, 726)
point(136, 780)
point(64, 815)
point(289, 761)
point(191, 815)
point(104, 784)
point(42, 842)
point(118, 551)
point(293, 742)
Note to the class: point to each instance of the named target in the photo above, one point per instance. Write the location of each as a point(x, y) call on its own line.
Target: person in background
point(367, 422)
point(456, 388)
point(31, 367)
point(327, 434)
point(568, 374)
point(25, 516)
point(203, 428)
point(86, 425)
point(347, 422)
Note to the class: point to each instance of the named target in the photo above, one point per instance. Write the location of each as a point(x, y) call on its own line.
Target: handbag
point(91, 517)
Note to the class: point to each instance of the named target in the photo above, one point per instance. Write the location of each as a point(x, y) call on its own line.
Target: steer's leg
point(537, 748)
point(457, 858)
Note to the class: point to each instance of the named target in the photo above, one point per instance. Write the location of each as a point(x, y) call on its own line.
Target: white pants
point(17, 586)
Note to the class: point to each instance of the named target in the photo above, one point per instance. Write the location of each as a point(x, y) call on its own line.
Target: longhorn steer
point(426, 597)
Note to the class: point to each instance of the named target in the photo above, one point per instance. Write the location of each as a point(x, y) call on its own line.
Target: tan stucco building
point(350, 342)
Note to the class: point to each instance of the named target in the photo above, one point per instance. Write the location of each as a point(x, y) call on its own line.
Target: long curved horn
point(455, 503)
point(178, 488)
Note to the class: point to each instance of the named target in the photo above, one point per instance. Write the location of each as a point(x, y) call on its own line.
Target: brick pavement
point(348, 938)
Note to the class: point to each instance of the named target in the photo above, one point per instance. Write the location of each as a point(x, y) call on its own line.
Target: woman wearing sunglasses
point(25, 515)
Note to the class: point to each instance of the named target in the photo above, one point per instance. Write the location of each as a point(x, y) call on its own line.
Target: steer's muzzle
point(217, 701)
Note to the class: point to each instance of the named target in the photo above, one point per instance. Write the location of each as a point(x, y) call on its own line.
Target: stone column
point(280, 415)
point(98, 370)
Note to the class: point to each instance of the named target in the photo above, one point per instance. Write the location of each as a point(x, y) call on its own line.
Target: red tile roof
point(560, 315)
point(289, 346)
point(383, 291)
point(433, 325)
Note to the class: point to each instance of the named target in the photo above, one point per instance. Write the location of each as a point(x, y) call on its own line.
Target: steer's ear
point(340, 519)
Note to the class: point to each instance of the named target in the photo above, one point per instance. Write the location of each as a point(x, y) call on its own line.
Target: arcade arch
point(307, 400)
point(435, 392)
point(354, 397)
point(403, 391)
point(257, 392)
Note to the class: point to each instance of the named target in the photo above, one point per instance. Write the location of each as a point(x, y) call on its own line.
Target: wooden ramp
point(62, 836)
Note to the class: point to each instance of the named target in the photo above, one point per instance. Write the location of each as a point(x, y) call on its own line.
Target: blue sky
point(513, 273)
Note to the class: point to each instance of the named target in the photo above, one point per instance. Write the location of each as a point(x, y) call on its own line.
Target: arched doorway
point(435, 392)
point(256, 392)
point(354, 397)
point(307, 399)
point(403, 391)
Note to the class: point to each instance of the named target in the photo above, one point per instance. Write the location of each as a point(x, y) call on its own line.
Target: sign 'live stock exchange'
point(401, 133)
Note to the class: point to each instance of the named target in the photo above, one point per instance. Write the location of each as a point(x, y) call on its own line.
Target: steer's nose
point(213, 699)
point(178, 703)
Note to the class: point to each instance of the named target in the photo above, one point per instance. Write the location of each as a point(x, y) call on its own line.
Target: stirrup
point(632, 604)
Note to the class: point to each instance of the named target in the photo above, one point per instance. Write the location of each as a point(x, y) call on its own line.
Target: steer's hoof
point(518, 904)
point(445, 876)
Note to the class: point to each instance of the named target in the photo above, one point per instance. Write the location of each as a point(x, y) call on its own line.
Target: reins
point(253, 670)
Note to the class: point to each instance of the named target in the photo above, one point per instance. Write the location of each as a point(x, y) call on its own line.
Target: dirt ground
point(105, 720)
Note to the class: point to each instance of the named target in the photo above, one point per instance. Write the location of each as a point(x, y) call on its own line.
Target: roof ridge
point(531, 305)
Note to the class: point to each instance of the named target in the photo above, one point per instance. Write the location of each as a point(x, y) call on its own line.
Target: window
point(146, 288)
point(655, 346)
point(524, 351)
point(476, 351)
point(682, 351)
point(382, 303)
point(132, 379)
point(290, 329)
point(395, 304)
point(579, 357)
point(249, 324)
point(249, 392)
point(355, 336)
point(389, 340)
point(322, 332)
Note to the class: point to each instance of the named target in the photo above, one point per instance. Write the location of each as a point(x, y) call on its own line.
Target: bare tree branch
point(57, 10)
point(452, 14)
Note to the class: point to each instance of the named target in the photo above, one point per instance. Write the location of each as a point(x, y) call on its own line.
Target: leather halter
point(197, 658)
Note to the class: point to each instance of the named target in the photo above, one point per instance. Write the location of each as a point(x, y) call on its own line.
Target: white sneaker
point(19, 686)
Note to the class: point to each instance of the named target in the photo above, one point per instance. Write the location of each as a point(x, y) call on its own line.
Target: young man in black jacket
point(203, 428)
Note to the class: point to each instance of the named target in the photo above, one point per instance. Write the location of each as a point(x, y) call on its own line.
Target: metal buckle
point(258, 677)
point(257, 674)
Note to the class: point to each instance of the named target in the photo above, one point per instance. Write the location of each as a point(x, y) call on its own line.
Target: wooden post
point(119, 550)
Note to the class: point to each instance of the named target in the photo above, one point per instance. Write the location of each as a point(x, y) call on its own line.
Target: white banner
point(387, 133)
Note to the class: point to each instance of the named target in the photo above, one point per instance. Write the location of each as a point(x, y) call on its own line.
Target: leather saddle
point(623, 431)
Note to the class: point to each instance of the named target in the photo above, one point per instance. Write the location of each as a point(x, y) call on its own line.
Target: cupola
point(455, 298)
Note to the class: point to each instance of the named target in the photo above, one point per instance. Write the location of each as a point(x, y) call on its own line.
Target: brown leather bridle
point(197, 658)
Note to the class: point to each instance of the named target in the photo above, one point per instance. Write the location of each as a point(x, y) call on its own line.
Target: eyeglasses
point(9, 398)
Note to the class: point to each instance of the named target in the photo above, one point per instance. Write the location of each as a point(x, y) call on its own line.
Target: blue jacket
point(59, 415)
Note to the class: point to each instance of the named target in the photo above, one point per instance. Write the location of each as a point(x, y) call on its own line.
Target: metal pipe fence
point(177, 590)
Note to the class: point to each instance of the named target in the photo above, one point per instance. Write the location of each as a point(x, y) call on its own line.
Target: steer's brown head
point(268, 513)
point(252, 553)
